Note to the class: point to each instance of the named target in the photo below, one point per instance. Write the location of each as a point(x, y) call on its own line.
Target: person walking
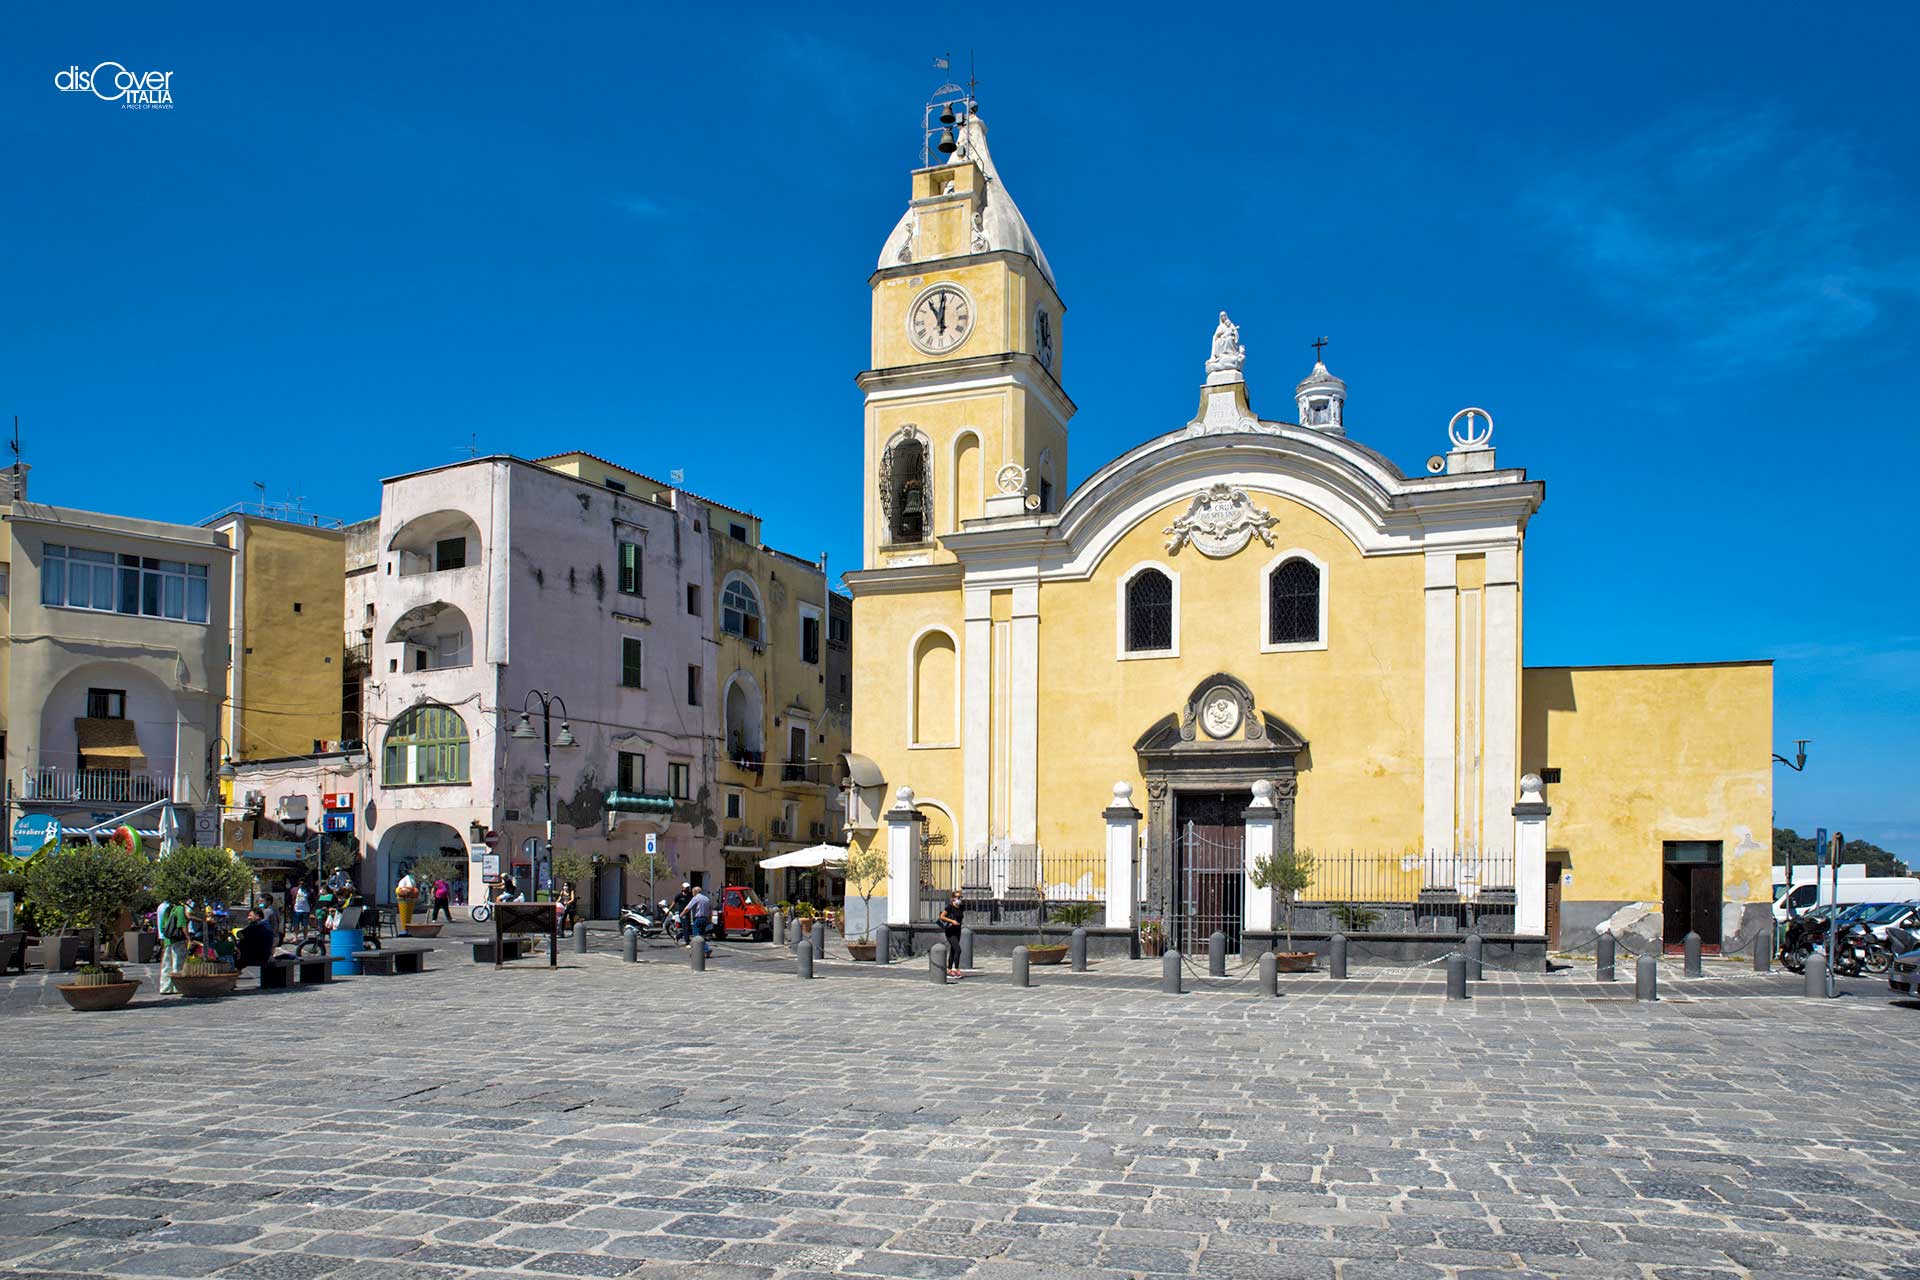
point(681, 924)
point(699, 916)
point(567, 903)
point(270, 916)
point(302, 907)
point(442, 900)
point(950, 918)
point(405, 894)
point(171, 921)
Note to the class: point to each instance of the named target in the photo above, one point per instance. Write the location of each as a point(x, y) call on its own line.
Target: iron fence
point(1361, 891)
point(1014, 884)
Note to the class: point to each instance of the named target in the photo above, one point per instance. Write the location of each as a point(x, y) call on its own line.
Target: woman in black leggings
point(950, 921)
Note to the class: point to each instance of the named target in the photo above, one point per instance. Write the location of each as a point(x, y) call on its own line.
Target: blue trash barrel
point(341, 944)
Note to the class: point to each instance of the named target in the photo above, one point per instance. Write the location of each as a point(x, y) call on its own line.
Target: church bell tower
point(965, 413)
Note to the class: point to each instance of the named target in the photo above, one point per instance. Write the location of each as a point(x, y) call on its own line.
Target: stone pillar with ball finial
point(1123, 835)
point(1263, 830)
point(903, 858)
point(1530, 857)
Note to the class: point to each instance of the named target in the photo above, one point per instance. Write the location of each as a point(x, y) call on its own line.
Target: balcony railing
point(742, 758)
point(794, 771)
point(94, 786)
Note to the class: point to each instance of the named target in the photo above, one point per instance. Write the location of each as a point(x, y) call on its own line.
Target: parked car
point(741, 915)
point(1903, 975)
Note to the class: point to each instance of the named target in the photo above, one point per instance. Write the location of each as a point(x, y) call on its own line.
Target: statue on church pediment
point(1220, 522)
point(1228, 354)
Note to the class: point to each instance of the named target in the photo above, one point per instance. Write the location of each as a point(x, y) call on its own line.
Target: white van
point(1852, 889)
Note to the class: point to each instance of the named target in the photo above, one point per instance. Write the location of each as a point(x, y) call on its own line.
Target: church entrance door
point(1209, 871)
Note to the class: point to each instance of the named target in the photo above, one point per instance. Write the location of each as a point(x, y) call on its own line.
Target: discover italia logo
point(111, 82)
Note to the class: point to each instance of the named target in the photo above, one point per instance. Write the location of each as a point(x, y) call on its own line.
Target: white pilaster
point(903, 843)
point(1123, 832)
point(1501, 681)
point(976, 740)
point(1023, 710)
point(1530, 858)
point(1437, 792)
point(1263, 827)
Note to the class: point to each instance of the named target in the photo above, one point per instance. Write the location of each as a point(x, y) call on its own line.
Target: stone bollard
point(779, 930)
point(580, 938)
point(803, 961)
point(1816, 987)
point(1691, 945)
point(697, 954)
point(1604, 948)
point(1269, 974)
point(1170, 972)
point(882, 945)
point(632, 951)
point(966, 949)
point(819, 940)
point(1475, 945)
point(1763, 952)
point(1456, 977)
point(1216, 954)
point(795, 935)
point(1077, 950)
point(1337, 956)
point(1646, 978)
point(937, 964)
point(1020, 976)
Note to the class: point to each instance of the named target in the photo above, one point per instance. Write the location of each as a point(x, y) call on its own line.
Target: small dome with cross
point(1322, 397)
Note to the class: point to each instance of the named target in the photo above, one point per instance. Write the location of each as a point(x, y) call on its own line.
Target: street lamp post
point(525, 731)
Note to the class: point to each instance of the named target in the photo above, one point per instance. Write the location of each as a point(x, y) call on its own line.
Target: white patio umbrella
point(814, 855)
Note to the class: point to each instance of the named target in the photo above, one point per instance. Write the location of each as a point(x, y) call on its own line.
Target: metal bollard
point(697, 954)
point(1646, 978)
point(1604, 948)
point(1170, 972)
point(937, 964)
point(1216, 954)
point(819, 939)
point(1337, 956)
point(882, 945)
point(1456, 977)
point(580, 938)
point(966, 950)
point(633, 946)
point(1763, 953)
point(1077, 950)
point(1475, 945)
point(1816, 987)
point(1269, 974)
point(1020, 975)
point(779, 929)
point(803, 961)
point(1691, 945)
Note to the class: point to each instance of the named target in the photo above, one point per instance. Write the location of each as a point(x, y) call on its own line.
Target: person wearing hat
point(683, 922)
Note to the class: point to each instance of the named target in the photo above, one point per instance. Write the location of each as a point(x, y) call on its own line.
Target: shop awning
point(815, 855)
point(114, 738)
point(863, 771)
point(639, 802)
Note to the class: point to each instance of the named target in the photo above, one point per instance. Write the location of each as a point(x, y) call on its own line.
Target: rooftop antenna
point(15, 443)
point(473, 445)
point(261, 485)
point(677, 477)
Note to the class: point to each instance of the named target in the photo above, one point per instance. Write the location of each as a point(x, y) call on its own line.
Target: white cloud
point(1748, 239)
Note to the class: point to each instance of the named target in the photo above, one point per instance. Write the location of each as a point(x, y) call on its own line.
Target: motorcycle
point(1804, 932)
point(647, 921)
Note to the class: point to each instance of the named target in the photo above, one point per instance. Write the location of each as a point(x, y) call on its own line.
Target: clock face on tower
point(940, 319)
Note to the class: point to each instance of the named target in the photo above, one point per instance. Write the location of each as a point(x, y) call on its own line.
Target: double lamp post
point(525, 731)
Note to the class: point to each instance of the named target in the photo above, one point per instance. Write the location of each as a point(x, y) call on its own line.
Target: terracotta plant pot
point(1153, 948)
point(861, 950)
point(98, 996)
point(418, 930)
point(1295, 961)
point(141, 947)
point(206, 986)
point(1047, 953)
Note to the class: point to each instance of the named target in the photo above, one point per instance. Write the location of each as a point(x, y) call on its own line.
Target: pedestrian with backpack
point(171, 921)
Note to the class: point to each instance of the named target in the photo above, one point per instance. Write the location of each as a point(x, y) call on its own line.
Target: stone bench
point(511, 948)
point(393, 960)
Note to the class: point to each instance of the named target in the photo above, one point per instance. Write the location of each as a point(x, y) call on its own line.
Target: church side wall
point(1358, 702)
point(1648, 755)
point(883, 672)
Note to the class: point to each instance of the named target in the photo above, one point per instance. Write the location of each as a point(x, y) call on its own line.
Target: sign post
point(32, 832)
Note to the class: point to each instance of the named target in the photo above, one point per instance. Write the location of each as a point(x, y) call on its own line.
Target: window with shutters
point(632, 655)
point(1149, 613)
point(630, 568)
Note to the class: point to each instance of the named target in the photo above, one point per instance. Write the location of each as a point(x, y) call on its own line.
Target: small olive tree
point(866, 872)
point(197, 873)
point(434, 866)
point(87, 886)
point(1287, 872)
point(572, 868)
point(650, 867)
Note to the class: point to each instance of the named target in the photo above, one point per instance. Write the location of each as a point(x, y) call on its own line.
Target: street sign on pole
point(33, 830)
point(653, 843)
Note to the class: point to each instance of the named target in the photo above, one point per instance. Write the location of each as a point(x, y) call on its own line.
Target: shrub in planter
point(96, 987)
point(86, 886)
point(195, 873)
point(1288, 872)
point(202, 979)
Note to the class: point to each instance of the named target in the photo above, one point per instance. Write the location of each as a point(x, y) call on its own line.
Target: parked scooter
point(647, 921)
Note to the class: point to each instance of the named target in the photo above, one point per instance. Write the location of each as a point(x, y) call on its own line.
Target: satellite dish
point(1436, 464)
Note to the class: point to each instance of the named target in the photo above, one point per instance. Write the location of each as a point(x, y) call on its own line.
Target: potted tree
point(866, 871)
point(1044, 952)
point(572, 870)
point(195, 873)
point(435, 866)
point(1153, 939)
point(1288, 873)
point(89, 886)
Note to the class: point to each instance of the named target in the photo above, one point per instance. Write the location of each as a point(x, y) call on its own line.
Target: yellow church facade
point(1244, 634)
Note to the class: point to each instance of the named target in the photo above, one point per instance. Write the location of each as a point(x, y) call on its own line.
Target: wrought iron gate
point(1209, 885)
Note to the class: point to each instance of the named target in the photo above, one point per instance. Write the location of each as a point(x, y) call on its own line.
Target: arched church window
point(740, 611)
point(1293, 603)
point(906, 487)
point(1149, 612)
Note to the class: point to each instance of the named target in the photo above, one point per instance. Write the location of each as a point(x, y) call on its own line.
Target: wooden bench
point(393, 960)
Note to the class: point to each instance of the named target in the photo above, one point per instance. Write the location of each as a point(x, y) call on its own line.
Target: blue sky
point(1672, 249)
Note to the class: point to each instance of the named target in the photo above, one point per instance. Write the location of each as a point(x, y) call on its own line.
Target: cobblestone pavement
point(606, 1119)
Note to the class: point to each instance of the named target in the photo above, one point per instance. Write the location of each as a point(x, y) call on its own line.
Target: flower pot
point(861, 950)
point(94, 997)
point(1047, 953)
point(418, 930)
point(141, 946)
point(1295, 961)
point(206, 986)
point(56, 953)
point(1153, 948)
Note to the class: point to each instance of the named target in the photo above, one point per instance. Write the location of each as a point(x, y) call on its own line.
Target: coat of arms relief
point(1220, 522)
